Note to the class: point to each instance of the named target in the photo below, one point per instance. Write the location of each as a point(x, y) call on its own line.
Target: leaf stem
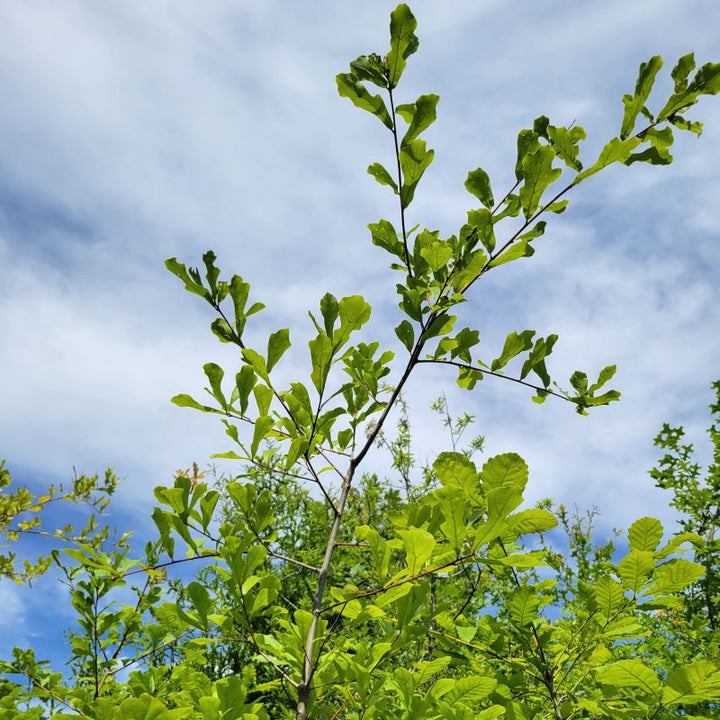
point(400, 182)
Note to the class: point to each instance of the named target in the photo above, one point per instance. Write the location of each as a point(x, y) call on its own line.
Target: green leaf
point(256, 361)
point(694, 683)
point(558, 207)
point(321, 353)
point(437, 255)
point(511, 208)
point(523, 561)
point(415, 159)
point(521, 247)
point(354, 312)
point(406, 334)
point(684, 124)
point(465, 340)
point(215, 376)
point(539, 175)
point(524, 606)
point(263, 397)
point(481, 222)
point(677, 540)
point(212, 272)
point(184, 400)
point(579, 381)
point(685, 65)
point(652, 156)
point(147, 707)
point(426, 669)
point(200, 599)
point(606, 374)
point(239, 292)
point(244, 382)
point(502, 501)
point(222, 330)
point(514, 344)
point(350, 87)
point(657, 153)
point(609, 596)
point(453, 526)
point(278, 343)
point(541, 125)
point(491, 713)
point(527, 142)
point(630, 673)
point(634, 103)
point(419, 545)
point(471, 689)
point(456, 470)
point(616, 150)
point(505, 469)
point(192, 285)
point(536, 359)
point(329, 309)
point(645, 534)
point(379, 550)
point(420, 115)
point(370, 67)
point(676, 575)
point(566, 142)
point(635, 568)
point(403, 42)
point(478, 184)
point(384, 236)
point(705, 82)
point(441, 325)
point(535, 520)
point(379, 172)
point(263, 425)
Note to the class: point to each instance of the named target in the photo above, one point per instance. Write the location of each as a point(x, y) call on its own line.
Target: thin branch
point(506, 196)
point(482, 370)
point(47, 691)
point(256, 647)
point(398, 583)
point(486, 650)
point(400, 182)
point(471, 594)
point(318, 482)
point(548, 672)
point(149, 652)
point(169, 563)
point(271, 552)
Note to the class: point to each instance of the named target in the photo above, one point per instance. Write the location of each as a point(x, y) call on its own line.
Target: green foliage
point(324, 593)
point(20, 515)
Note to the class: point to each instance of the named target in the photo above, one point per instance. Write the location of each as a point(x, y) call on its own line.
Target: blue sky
point(136, 131)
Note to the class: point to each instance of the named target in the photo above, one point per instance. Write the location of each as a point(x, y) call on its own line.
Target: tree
point(327, 598)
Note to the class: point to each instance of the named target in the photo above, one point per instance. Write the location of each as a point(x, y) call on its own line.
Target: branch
point(548, 672)
point(399, 174)
point(142, 656)
point(149, 568)
point(47, 691)
point(465, 366)
point(398, 583)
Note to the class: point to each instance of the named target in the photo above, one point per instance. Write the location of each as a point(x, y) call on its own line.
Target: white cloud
point(136, 131)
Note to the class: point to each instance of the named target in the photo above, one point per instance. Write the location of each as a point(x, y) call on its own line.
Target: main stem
point(305, 686)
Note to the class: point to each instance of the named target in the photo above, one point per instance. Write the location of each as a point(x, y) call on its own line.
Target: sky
point(133, 132)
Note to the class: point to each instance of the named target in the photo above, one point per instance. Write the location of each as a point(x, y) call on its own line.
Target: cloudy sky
point(136, 131)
